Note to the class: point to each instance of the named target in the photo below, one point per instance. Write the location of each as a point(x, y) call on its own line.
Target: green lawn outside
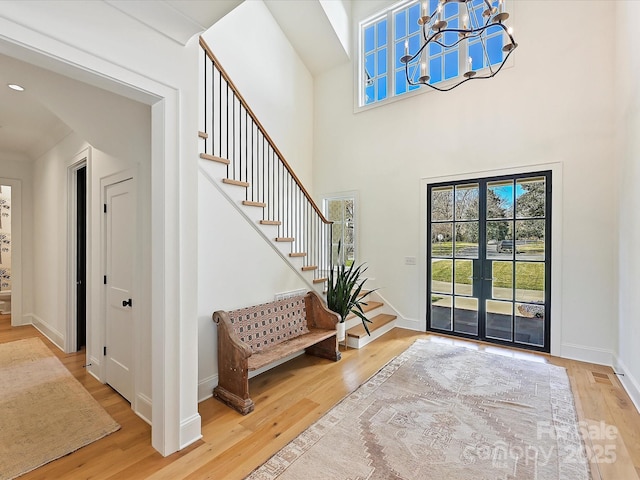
point(529, 275)
point(445, 248)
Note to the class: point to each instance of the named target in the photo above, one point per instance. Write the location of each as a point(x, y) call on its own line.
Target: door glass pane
point(530, 324)
point(500, 240)
point(467, 240)
point(441, 310)
point(499, 320)
point(530, 239)
point(467, 202)
point(442, 239)
point(465, 315)
point(502, 280)
point(530, 282)
point(442, 204)
point(500, 199)
point(442, 276)
point(464, 277)
point(530, 197)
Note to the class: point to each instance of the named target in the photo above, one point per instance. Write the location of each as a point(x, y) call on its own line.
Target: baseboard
point(143, 407)
point(599, 356)
point(206, 386)
point(190, 430)
point(51, 333)
point(629, 382)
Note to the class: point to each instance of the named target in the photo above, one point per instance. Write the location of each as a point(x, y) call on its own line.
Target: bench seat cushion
point(293, 345)
point(264, 326)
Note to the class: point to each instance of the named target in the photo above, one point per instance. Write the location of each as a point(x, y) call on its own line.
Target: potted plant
point(344, 293)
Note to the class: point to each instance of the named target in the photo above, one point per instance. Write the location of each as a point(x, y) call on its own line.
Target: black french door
point(489, 259)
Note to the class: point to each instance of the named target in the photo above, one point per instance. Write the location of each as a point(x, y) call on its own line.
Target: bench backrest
point(268, 324)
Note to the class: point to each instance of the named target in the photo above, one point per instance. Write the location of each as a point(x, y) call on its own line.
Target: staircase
point(382, 320)
point(243, 163)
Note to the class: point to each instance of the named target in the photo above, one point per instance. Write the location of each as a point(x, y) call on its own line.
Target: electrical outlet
point(409, 260)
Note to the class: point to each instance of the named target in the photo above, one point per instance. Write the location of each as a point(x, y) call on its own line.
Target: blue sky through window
point(386, 35)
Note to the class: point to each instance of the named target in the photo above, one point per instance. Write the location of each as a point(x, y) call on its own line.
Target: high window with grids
point(387, 36)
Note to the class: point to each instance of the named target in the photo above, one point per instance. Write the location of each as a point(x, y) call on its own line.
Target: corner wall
point(543, 110)
point(236, 267)
point(627, 70)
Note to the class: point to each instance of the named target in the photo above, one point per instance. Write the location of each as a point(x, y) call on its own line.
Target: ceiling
point(28, 129)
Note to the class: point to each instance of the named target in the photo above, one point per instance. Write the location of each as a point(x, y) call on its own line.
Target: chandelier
point(476, 28)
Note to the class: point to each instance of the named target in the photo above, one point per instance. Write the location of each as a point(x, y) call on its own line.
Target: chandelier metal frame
point(434, 30)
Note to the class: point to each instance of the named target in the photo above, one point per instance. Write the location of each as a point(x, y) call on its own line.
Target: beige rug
point(45, 412)
point(446, 413)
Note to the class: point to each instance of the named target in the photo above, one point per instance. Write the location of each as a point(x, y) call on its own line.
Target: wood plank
point(320, 280)
point(298, 254)
point(376, 322)
point(238, 183)
point(284, 239)
point(309, 268)
point(253, 204)
point(289, 398)
point(213, 158)
point(270, 222)
point(202, 134)
point(370, 305)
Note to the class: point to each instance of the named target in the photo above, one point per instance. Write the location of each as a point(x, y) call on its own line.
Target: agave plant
point(344, 291)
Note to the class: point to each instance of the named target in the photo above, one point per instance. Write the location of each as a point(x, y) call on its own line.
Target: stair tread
point(284, 239)
point(202, 134)
point(249, 203)
point(371, 305)
point(239, 183)
point(270, 222)
point(376, 322)
point(213, 158)
point(320, 280)
point(298, 254)
point(308, 268)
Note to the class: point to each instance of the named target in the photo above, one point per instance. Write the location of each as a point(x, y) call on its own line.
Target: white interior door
point(120, 241)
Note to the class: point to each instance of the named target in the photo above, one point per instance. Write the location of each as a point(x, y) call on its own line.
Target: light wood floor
point(289, 398)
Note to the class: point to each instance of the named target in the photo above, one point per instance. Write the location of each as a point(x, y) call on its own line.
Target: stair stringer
point(207, 169)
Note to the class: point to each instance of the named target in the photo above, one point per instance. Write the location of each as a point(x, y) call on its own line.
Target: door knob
point(126, 303)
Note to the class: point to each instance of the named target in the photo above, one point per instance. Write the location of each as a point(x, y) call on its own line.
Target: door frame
point(82, 159)
point(16, 250)
point(105, 182)
point(556, 240)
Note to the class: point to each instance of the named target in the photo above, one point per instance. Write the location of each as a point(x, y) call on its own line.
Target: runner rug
point(444, 412)
point(45, 412)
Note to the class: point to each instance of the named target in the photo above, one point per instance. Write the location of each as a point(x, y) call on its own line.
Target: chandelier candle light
point(474, 27)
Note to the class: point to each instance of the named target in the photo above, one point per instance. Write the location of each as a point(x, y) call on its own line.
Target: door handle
point(126, 303)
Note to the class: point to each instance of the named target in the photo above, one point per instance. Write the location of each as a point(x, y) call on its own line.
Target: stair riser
point(361, 342)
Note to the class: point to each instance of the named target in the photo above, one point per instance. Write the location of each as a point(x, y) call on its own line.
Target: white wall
point(237, 268)
point(628, 148)
point(93, 42)
point(554, 106)
point(269, 74)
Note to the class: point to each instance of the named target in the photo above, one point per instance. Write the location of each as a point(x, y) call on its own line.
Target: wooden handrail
point(245, 105)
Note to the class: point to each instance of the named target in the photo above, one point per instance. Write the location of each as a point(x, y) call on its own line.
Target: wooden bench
point(253, 337)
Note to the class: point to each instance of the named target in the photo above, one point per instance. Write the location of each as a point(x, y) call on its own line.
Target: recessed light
point(16, 87)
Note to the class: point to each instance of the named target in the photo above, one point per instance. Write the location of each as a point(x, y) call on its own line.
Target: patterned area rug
point(45, 412)
point(444, 412)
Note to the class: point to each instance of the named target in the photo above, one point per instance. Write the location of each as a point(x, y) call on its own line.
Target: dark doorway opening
point(81, 254)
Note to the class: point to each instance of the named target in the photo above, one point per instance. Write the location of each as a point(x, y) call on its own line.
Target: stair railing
point(233, 133)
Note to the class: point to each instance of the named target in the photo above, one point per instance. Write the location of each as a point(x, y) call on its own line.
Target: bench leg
point(242, 405)
point(327, 348)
